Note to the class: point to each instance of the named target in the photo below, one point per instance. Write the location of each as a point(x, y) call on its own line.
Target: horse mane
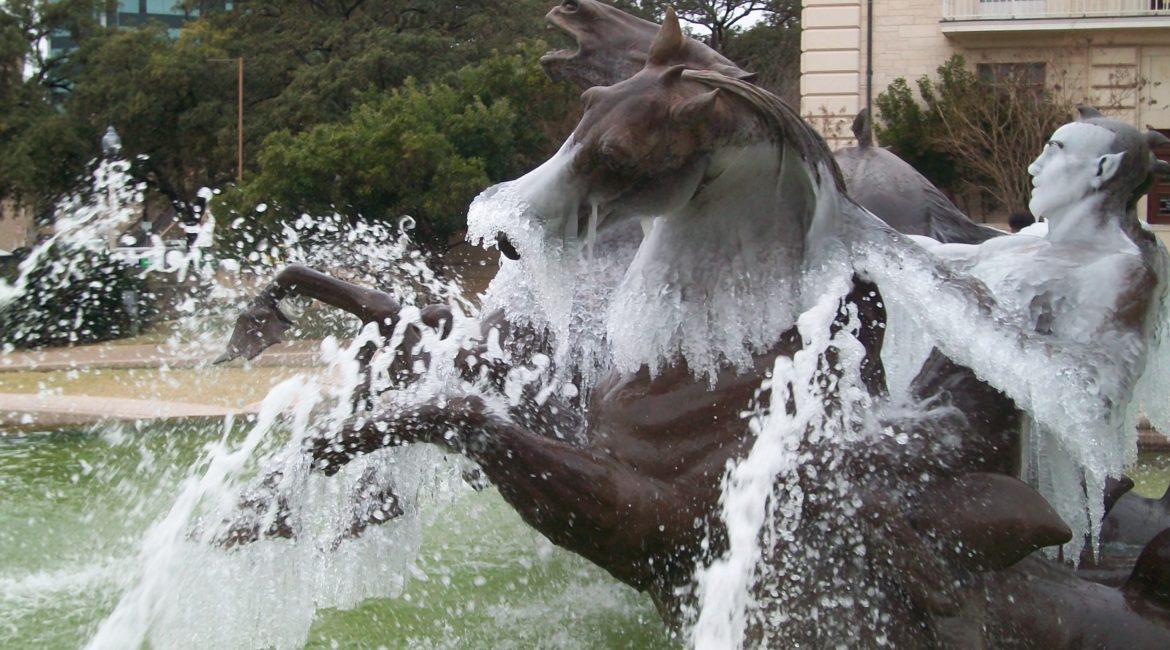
point(785, 122)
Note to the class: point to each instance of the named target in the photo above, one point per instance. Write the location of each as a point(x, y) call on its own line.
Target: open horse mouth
point(594, 60)
point(590, 218)
point(506, 247)
point(553, 60)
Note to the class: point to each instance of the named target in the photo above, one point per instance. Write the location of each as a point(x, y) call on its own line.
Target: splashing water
point(798, 570)
point(787, 507)
point(265, 594)
point(85, 220)
point(553, 288)
point(1081, 396)
point(726, 587)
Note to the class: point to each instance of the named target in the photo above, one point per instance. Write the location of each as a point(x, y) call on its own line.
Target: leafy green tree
point(914, 133)
point(310, 62)
point(722, 19)
point(313, 70)
point(420, 150)
point(42, 149)
point(761, 36)
point(719, 21)
point(771, 49)
point(173, 101)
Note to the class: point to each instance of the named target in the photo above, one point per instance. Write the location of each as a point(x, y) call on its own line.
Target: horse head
point(651, 144)
point(612, 46)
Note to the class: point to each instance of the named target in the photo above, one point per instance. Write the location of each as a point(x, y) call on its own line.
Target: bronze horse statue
point(629, 471)
point(896, 193)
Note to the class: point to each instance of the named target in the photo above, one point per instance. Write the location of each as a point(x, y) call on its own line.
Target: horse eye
point(615, 158)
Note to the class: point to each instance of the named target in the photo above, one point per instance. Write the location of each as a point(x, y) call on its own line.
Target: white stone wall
point(907, 41)
point(1126, 71)
point(831, 66)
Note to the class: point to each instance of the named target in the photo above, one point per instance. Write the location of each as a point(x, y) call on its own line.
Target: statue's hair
point(1138, 166)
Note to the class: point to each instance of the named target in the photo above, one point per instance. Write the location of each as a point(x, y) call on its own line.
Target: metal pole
point(240, 123)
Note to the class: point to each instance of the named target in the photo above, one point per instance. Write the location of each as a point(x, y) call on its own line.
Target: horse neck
point(717, 280)
point(742, 211)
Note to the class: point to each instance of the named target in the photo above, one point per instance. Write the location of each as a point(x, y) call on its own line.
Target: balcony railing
point(1008, 9)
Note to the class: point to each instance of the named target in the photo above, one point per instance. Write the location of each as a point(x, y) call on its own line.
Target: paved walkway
point(112, 355)
point(24, 410)
point(31, 410)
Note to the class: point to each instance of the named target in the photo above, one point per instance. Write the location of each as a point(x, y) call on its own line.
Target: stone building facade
point(1114, 54)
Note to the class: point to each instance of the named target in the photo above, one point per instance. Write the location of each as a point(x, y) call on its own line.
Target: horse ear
point(673, 74)
point(667, 42)
point(1087, 112)
point(697, 109)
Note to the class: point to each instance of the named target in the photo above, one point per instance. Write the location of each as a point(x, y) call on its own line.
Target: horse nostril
point(506, 247)
point(570, 5)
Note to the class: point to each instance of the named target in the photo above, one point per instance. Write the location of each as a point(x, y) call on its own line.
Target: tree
point(761, 36)
point(771, 49)
point(972, 135)
point(43, 150)
point(722, 18)
point(308, 65)
point(719, 20)
point(172, 100)
point(420, 150)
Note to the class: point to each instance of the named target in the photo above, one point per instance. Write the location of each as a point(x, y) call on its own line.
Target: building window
point(1026, 75)
point(1158, 199)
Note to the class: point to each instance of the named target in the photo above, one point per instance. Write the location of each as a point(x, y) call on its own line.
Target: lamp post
point(111, 143)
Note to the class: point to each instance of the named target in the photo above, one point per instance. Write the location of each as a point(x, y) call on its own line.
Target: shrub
point(74, 294)
point(419, 150)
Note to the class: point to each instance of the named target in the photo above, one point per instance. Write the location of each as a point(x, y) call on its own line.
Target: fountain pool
point(74, 505)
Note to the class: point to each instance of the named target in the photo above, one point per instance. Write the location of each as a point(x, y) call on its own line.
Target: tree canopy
point(367, 107)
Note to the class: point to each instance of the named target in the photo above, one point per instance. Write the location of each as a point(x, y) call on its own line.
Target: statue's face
point(1063, 174)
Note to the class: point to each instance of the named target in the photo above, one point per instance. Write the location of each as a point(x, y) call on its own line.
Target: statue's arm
point(962, 308)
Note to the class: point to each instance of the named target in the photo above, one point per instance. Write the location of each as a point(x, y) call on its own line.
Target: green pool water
point(1152, 474)
point(75, 504)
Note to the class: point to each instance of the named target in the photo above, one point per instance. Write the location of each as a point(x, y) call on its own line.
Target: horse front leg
point(639, 528)
point(262, 324)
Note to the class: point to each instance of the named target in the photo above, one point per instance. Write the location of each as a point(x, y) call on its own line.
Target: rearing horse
point(750, 223)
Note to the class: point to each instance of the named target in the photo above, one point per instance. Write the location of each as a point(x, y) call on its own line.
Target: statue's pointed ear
point(1107, 167)
point(696, 109)
point(667, 42)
